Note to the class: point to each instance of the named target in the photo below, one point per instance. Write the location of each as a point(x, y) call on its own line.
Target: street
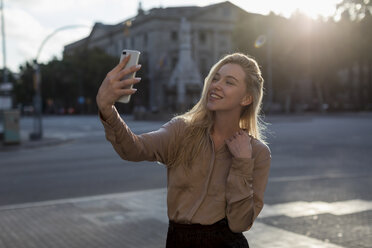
point(320, 180)
point(80, 162)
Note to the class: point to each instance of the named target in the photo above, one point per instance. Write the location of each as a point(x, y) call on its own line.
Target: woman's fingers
point(240, 135)
point(127, 71)
point(127, 92)
point(118, 67)
point(114, 86)
point(239, 145)
point(122, 64)
point(127, 82)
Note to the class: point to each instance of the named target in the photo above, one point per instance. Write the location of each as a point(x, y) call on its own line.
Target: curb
point(29, 144)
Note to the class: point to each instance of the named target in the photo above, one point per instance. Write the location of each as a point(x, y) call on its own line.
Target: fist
point(240, 145)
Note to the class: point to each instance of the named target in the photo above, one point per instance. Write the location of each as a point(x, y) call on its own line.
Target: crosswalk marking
point(301, 208)
point(263, 236)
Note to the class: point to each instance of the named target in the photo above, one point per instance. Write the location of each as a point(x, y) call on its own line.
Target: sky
point(29, 22)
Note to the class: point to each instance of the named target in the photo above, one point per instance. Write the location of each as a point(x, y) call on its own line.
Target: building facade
point(158, 35)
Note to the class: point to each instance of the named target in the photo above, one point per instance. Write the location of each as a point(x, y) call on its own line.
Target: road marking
point(316, 177)
point(263, 236)
point(89, 199)
point(301, 208)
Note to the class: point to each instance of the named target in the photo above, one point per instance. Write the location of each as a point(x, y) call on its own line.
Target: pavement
point(133, 219)
point(139, 219)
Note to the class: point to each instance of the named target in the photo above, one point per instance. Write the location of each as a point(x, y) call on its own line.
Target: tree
point(315, 63)
point(71, 83)
point(357, 14)
point(356, 9)
point(24, 86)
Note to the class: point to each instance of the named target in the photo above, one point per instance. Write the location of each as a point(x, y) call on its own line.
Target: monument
point(185, 79)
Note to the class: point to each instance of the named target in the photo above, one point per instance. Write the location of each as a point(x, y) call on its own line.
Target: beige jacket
point(217, 186)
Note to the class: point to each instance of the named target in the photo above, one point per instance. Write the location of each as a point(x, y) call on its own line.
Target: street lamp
point(37, 101)
point(5, 72)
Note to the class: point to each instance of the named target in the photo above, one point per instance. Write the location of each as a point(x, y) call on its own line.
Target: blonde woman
point(216, 158)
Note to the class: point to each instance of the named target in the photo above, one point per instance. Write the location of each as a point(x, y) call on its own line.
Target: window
point(174, 62)
point(203, 67)
point(174, 36)
point(222, 41)
point(145, 39)
point(202, 37)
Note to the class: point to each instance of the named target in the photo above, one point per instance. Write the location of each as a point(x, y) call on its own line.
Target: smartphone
point(134, 57)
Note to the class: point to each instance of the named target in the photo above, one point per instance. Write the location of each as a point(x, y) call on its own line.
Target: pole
point(5, 72)
point(38, 125)
point(37, 100)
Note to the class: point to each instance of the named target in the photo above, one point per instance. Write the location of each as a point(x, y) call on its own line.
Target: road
point(321, 160)
point(80, 163)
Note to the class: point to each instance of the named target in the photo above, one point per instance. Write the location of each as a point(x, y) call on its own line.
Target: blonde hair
point(200, 120)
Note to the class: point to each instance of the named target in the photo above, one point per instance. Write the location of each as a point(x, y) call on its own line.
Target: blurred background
point(310, 63)
point(64, 183)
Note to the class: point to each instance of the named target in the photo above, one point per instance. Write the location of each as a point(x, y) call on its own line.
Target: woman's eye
point(229, 83)
point(214, 79)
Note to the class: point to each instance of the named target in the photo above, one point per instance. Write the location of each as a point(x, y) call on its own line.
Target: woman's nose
point(217, 84)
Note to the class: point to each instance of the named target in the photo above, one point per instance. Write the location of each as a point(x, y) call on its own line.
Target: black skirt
point(217, 235)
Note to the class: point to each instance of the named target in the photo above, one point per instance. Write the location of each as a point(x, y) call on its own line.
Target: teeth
point(215, 96)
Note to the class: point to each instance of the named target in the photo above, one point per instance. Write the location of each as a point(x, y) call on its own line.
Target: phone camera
point(124, 53)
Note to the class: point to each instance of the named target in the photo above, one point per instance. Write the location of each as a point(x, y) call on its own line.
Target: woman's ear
point(247, 99)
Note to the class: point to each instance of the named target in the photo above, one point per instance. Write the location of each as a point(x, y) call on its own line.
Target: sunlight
point(311, 8)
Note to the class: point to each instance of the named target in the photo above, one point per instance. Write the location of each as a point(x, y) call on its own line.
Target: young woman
point(217, 161)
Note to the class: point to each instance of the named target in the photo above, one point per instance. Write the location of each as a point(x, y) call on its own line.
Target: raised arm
point(152, 146)
point(149, 146)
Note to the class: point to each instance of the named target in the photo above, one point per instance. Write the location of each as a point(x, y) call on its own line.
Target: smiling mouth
point(215, 96)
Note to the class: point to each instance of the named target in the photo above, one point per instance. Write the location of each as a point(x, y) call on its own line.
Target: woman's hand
point(113, 86)
point(240, 145)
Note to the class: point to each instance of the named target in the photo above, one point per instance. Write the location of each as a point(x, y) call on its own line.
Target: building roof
point(188, 12)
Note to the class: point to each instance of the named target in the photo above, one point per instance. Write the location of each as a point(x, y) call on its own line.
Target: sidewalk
point(134, 219)
point(26, 142)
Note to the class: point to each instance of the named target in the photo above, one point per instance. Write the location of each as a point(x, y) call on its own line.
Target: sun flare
point(311, 8)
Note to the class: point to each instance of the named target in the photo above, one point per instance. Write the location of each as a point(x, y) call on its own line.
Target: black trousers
point(217, 235)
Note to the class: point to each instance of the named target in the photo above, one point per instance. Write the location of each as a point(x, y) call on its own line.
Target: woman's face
point(228, 90)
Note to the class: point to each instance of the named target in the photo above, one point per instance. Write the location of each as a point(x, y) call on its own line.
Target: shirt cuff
point(112, 122)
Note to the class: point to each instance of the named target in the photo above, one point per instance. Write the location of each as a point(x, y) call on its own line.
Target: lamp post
point(5, 72)
point(37, 100)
